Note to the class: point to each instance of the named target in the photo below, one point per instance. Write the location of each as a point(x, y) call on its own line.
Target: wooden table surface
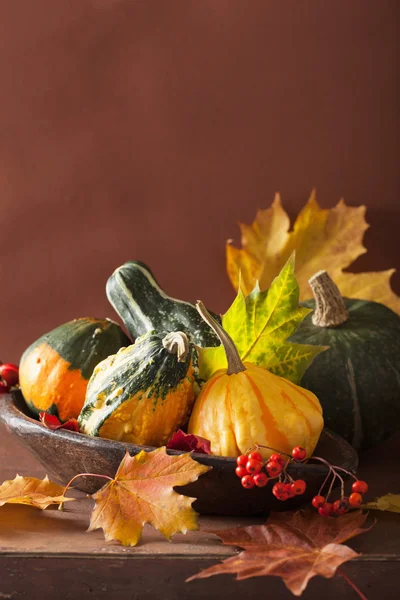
point(49, 554)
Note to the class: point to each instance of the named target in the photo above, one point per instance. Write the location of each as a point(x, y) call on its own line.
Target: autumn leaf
point(31, 491)
point(53, 422)
point(142, 492)
point(293, 546)
point(390, 503)
point(259, 324)
point(189, 443)
point(324, 239)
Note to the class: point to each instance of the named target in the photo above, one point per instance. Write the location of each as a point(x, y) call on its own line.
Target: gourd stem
point(330, 309)
point(177, 343)
point(235, 364)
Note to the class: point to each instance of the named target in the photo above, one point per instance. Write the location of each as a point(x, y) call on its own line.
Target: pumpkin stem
point(235, 364)
point(330, 309)
point(177, 343)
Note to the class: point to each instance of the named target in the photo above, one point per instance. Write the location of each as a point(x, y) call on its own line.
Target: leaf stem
point(352, 585)
point(61, 506)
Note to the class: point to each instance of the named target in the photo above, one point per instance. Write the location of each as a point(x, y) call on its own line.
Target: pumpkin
point(246, 405)
point(143, 306)
point(358, 378)
point(143, 393)
point(55, 370)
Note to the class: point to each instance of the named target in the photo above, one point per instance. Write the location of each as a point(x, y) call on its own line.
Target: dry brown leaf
point(31, 491)
point(293, 546)
point(142, 492)
point(329, 239)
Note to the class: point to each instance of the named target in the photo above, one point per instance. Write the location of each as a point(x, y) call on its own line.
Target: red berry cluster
point(344, 504)
point(250, 470)
point(8, 377)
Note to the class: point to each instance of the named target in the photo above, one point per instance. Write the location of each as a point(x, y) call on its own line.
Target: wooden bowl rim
point(13, 416)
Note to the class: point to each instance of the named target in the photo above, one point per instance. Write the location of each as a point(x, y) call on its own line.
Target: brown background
point(147, 129)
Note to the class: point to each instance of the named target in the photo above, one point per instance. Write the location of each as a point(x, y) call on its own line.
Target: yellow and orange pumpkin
point(246, 405)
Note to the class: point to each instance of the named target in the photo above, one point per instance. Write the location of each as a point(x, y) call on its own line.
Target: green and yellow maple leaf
point(259, 325)
point(389, 503)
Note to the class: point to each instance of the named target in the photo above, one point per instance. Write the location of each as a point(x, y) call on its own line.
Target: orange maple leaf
point(293, 546)
point(324, 239)
point(31, 491)
point(142, 492)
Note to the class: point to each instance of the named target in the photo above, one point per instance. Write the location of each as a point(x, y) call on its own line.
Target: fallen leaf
point(31, 491)
point(259, 324)
point(142, 492)
point(329, 239)
point(189, 443)
point(390, 503)
point(53, 422)
point(293, 546)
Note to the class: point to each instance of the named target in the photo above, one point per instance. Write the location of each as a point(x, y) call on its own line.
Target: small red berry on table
point(325, 510)
point(277, 458)
point(299, 453)
point(9, 374)
point(361, 487)
point(355, 500)
point(340, 507)
point(260, 479)
point(273, 468)
point(255, 456)
point(318, 501)
point(288, 492)
point(253, 466)
point(241, 471)
point(248, 482)
point(298, 487)
point(279, 490)
point(241, 460)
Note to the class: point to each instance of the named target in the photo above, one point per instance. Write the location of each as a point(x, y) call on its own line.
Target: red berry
point(361, 487)
point(277, 458)
point(241, 460)
point(273, 468)
point(318, 501)
point(3, 387)
point(278, 490)
point(340, 507)
point(288, 492)
point(255, 456)
point(299, 453)
point(253, 466)
point(355, 500)
point(9, 374)
point(241, 471)
point(260, 479)
point(325, 510)
point(248, 482)
point(298, 487)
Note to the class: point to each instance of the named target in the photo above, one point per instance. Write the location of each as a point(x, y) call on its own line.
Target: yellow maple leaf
point(31, 491)
point(142, 492)
point(390, 503)
point(329, 239)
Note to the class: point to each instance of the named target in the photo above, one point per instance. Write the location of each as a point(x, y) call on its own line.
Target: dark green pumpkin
point(54, 371)
point(142, 394)
point(143, 306)
point(357, 380)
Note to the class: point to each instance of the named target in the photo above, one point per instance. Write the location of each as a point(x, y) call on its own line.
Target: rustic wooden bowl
point(65, 454)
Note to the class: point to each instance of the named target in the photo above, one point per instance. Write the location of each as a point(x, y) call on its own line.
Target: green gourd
point(357, 379)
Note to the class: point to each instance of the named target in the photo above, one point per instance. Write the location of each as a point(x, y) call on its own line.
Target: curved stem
point(352, 585)
point(82, 475)
point(176, 342)
point(330, 309)
point(235, 364)
point(325, 481)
